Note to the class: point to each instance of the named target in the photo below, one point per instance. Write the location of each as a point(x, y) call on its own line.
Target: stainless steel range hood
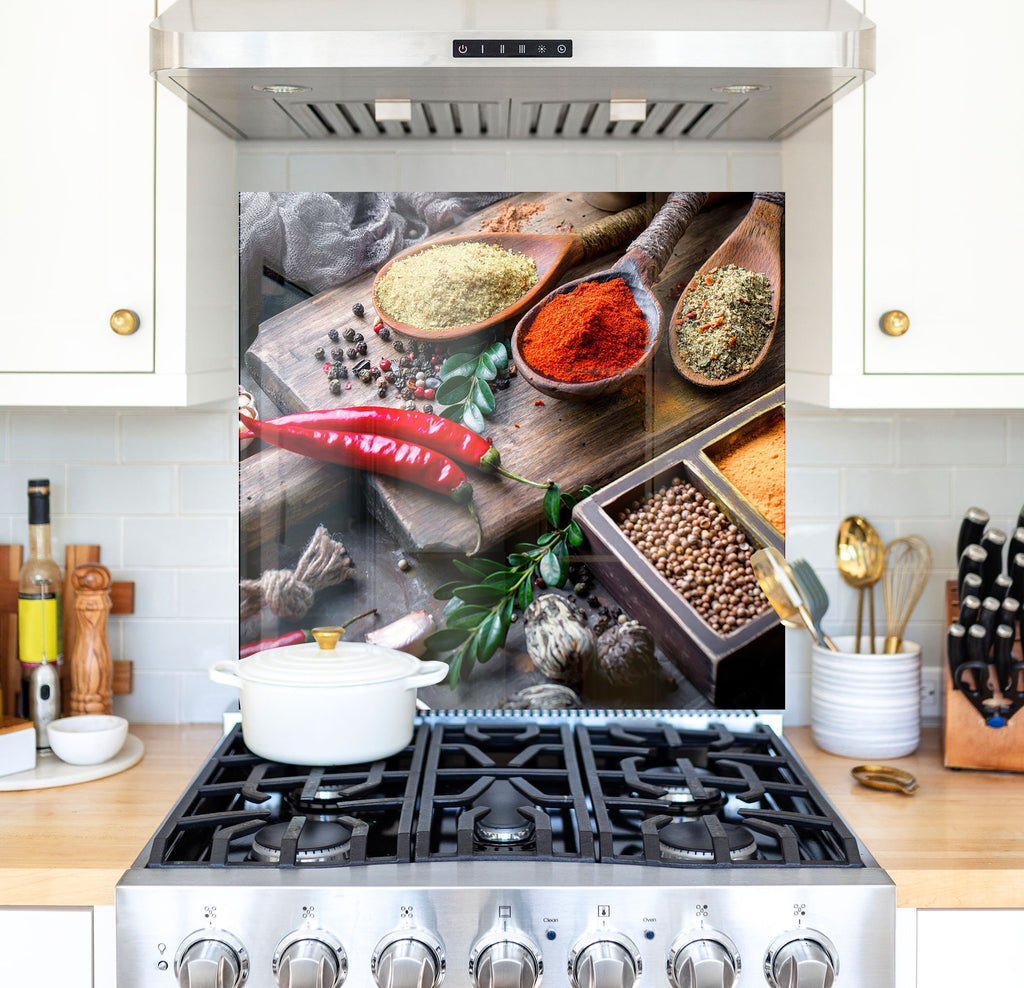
point(407, 69)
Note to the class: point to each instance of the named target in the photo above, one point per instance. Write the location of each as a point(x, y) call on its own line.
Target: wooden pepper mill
point(92, 669)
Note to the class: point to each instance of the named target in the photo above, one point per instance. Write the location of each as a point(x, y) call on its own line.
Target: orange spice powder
point(756, 466)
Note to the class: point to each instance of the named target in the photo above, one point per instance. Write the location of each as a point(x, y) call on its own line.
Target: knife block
point(967, 741)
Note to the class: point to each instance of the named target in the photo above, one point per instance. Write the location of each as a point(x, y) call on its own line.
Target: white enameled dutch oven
point(328, 704)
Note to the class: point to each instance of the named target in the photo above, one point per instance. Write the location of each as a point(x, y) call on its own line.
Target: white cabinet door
point(77, 170)
point(943, 153)
point(46, 948)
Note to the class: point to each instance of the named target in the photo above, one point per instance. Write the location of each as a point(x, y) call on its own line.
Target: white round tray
point(50, 771)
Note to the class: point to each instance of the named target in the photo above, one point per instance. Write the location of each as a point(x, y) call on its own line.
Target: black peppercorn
point(319, 353)
point(429, 410)
point(385, 333)
point(361, 349)
point(349, 335)
point(358, 338)
point(365, 376)
point(375, 371)
point(332, 335)
point(405, 362)
point(335, 387)
point(350, 352)
point(342, 370)
point(422, 347)
point(389, 376)
point(593, 601)
point(398, 345)
point(337, 352)
point(382, 390)
point(358, 309)
point(332, 373)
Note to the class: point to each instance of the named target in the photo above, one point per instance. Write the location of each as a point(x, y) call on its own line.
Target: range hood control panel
point(514, 48)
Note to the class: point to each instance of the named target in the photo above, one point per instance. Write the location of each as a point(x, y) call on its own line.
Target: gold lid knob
point(895, 323)
point(327, 637)
point(124, 322)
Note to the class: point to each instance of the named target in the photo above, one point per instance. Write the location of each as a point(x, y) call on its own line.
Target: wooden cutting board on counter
point(538, 437)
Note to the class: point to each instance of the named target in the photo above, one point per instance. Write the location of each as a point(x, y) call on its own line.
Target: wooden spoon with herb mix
point(724, 322)
point(508, 261)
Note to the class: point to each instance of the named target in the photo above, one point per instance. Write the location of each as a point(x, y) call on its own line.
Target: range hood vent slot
point(431, 119)
point(591, 118)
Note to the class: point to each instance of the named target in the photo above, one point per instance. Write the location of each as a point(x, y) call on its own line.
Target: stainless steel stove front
point(485, 924)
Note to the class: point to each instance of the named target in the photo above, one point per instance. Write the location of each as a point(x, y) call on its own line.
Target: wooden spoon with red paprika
point(639, 268)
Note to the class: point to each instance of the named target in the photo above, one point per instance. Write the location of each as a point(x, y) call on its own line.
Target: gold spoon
point(860, 559)
point(776, 581)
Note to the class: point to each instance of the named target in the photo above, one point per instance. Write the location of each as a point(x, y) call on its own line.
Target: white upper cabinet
point(99, 219)
point(904, 200)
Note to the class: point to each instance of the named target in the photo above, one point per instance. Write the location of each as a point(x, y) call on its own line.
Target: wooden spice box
point(745, 668)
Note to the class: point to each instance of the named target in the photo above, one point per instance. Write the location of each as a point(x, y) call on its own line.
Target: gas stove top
point(497, 848)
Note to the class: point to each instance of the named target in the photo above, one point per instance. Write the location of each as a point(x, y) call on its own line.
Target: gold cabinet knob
point(124, 322)
point(895, 323)
point(327, 637)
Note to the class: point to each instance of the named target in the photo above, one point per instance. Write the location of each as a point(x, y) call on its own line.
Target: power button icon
point(463, 49)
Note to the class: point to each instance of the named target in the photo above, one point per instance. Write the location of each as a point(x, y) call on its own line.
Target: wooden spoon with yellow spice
point(745, 328)
point(552, 253)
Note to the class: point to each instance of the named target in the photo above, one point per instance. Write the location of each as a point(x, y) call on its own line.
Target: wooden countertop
point(958, 843)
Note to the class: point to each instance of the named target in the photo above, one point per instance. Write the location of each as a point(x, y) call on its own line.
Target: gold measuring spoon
point(860, 559)
point(885, 777)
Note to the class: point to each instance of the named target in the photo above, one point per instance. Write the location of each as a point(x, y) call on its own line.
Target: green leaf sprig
point(480, 607)
point(465, 388)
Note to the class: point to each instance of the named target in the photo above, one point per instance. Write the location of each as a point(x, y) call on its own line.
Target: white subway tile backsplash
point(585, 170)
point(261, 171)
point(643, 170)
point(179, 645)
point(810, 539)
point(209, 490)
point(203, 701)
point(156, 592)
point(101, 530)
point(14, 478)
point(178, 542)
point(896, 493)
point(999, 490)
point(927, 439)
point(755, 172)
point(365, 172)
point(67, 436)
point(819, 440)
point(209, 593)
point(5, 428)
point(1015, 438)
point(185, 437)
point(154, 699)
point(119, 489)
point(812, 492)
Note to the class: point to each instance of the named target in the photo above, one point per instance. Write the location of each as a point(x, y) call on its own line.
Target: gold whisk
point(908, 564)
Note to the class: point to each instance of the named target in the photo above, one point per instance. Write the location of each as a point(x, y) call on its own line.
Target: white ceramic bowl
point(88, 739)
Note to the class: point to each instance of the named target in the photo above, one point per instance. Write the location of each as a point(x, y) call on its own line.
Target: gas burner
point(691, 841)
point(318, 843)
point(502, 824)
point(326, 803)
point(681, 801)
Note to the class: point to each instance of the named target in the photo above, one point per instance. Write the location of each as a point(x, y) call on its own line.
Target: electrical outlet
point(931, 694)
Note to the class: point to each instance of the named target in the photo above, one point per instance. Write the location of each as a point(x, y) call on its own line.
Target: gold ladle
point(860, 559)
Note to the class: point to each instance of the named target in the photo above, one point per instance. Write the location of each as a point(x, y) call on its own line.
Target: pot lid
point(347, 664)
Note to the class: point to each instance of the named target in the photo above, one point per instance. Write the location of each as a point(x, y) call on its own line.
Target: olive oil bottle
point(39, 593)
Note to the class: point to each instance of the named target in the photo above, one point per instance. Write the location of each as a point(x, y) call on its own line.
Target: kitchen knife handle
point(1001, 587)
point(1009, 612)
point(955, 650)
point(1016, 545)
point(971, 528)
point(972, 560)
point(970, 608)
point(977, 662)
point(992, 542)
point(1017, 576)
point(1004, 643)
point(988, 619)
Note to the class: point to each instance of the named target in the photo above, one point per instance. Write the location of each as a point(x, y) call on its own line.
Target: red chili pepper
point(450, 438)
point(365, 451)
point(290, 638)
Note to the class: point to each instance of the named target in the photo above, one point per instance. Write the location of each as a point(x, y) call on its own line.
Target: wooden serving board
point(538, 437)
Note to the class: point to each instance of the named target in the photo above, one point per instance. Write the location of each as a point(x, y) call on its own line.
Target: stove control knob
point(211, 959)
point(705, 960)
point(505, 960)
point(408, 959)
point(801, 959)
point(605, 960)
point(310, 959)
